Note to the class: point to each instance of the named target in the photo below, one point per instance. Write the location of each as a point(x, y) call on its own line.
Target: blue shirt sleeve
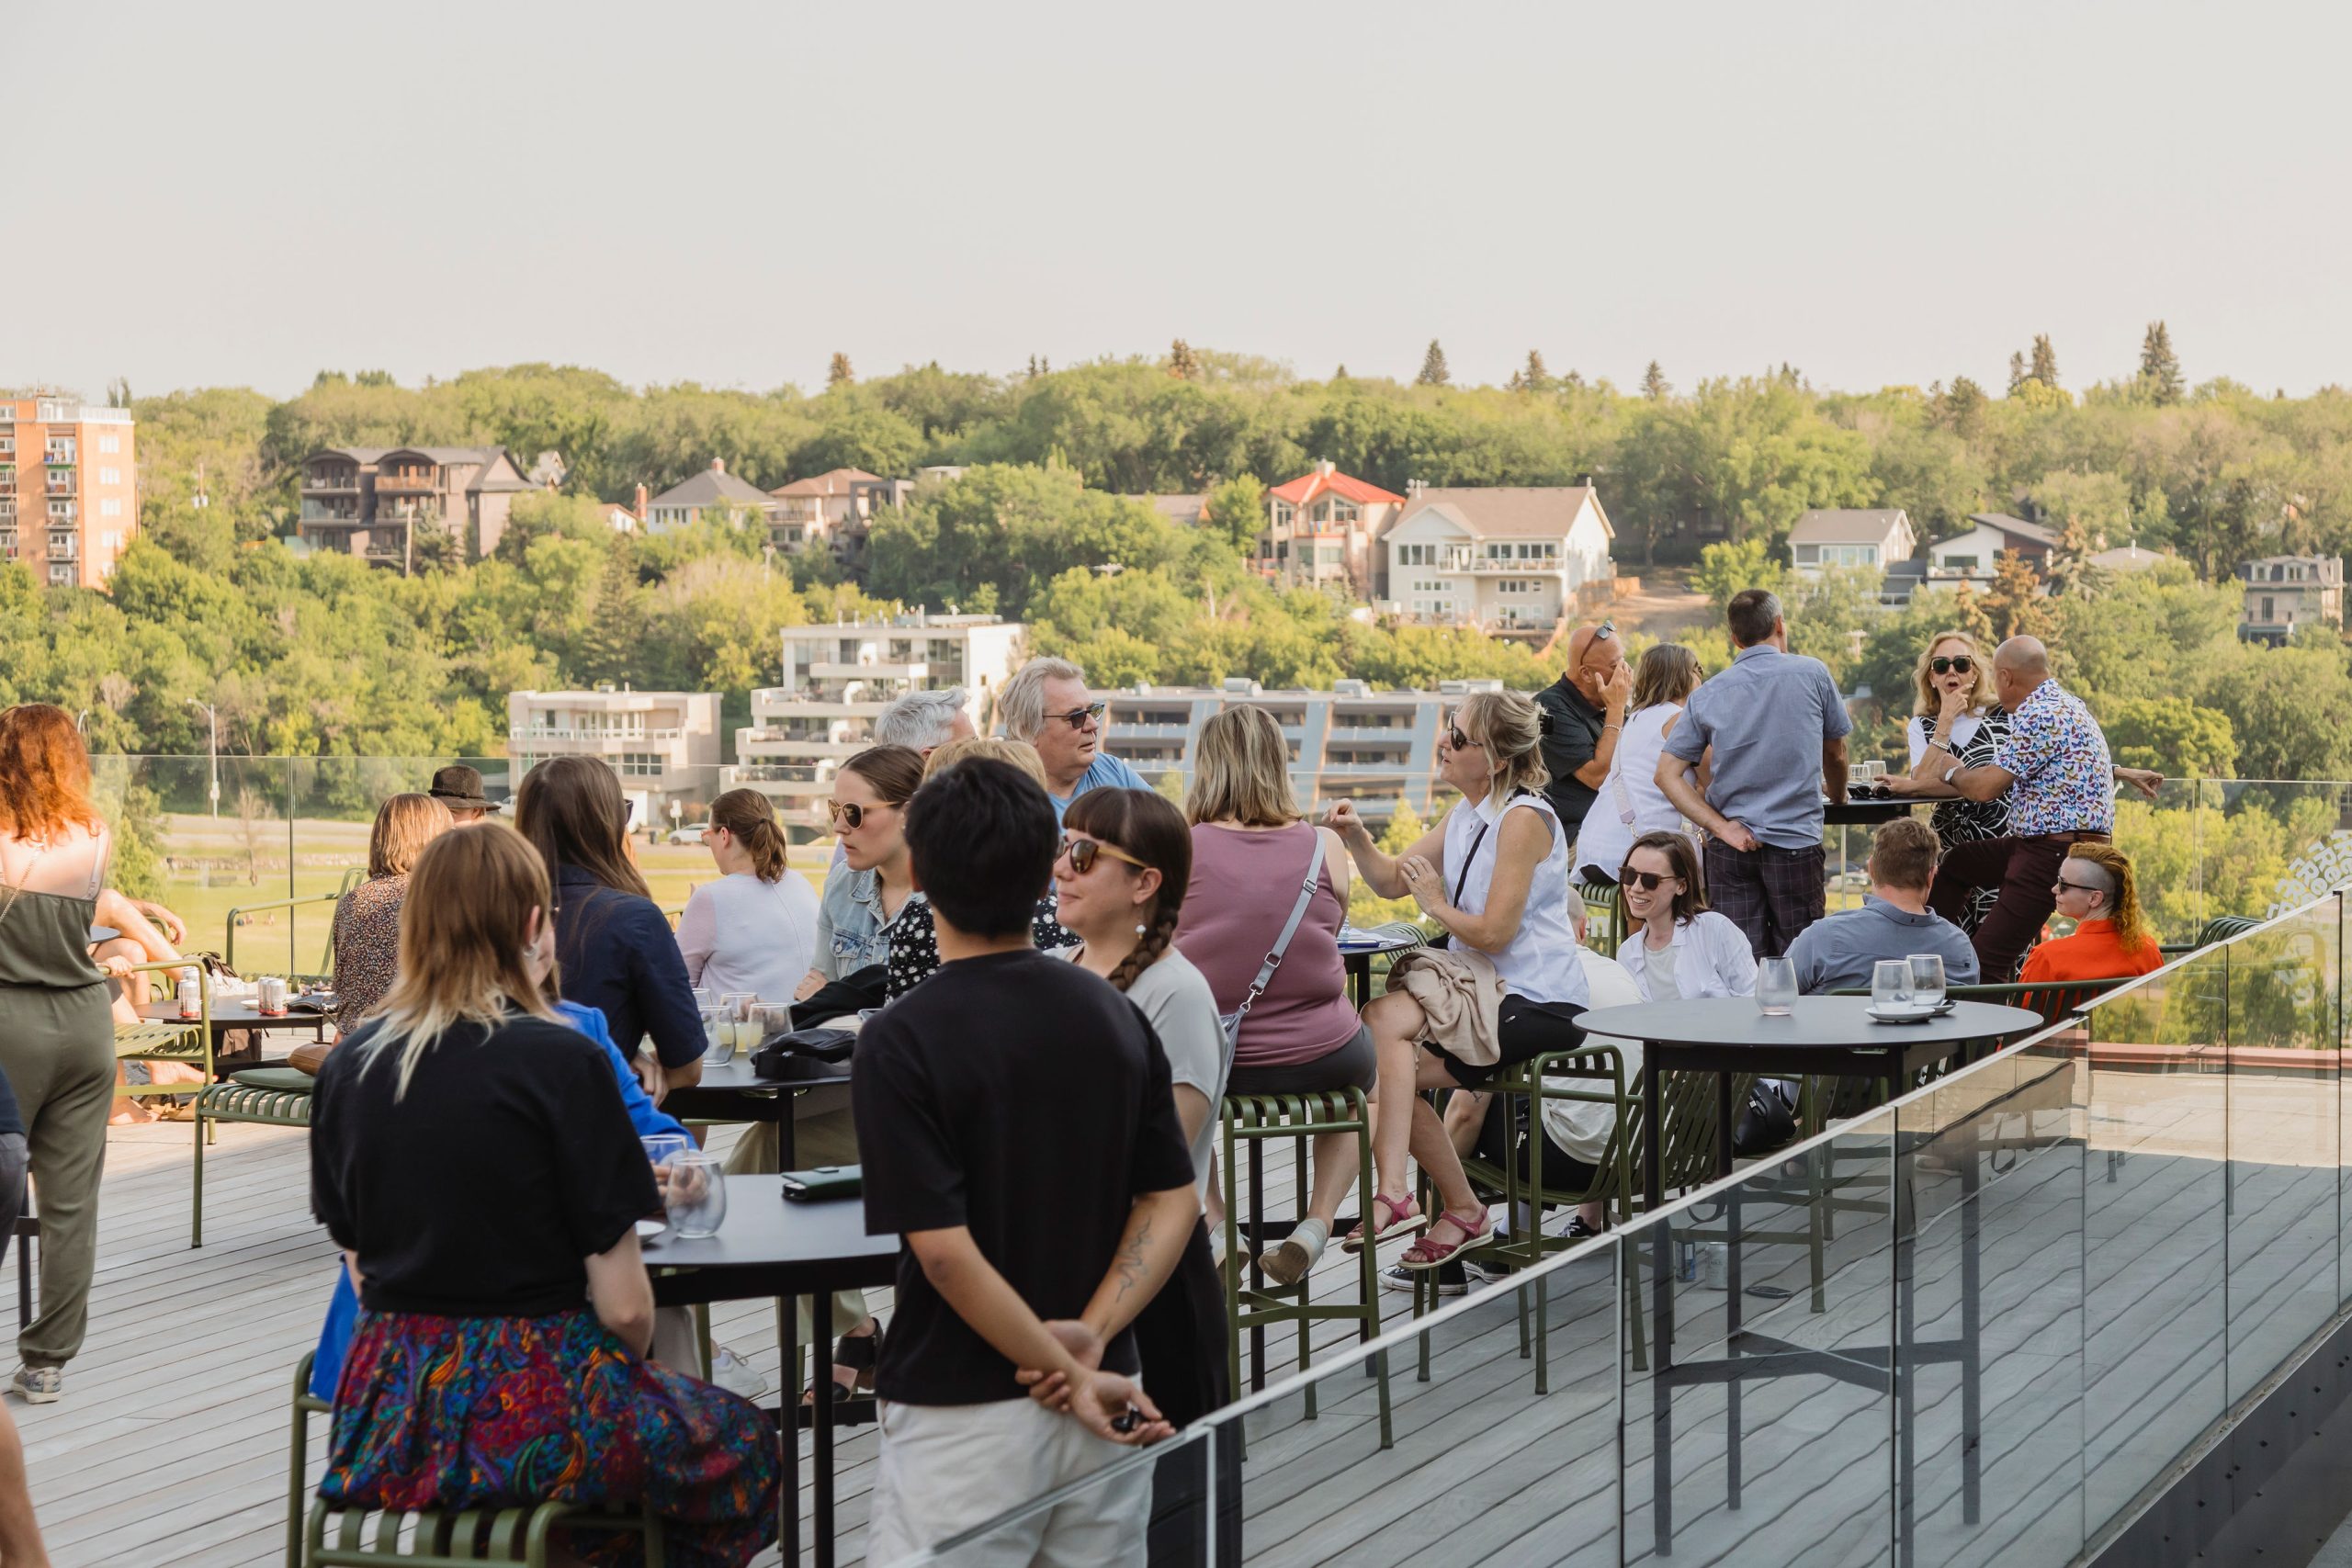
point(665, 998)
point(1836, 722)
point(1804, 956)
point(648, 1118)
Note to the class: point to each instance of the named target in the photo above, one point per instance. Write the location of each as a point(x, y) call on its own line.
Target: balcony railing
point(406, 484)
point(64, 546)
point(330, 484)
point(52, 485)
point(521, 737)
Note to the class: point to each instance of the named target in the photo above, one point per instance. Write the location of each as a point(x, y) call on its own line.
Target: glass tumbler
point(1776, 987)
point(1927, 979)
point(697, 1193)
point(1890, 985)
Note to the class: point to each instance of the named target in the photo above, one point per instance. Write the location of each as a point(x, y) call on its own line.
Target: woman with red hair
point(57, 1047)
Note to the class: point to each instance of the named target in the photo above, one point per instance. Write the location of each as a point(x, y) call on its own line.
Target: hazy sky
point(244, 192)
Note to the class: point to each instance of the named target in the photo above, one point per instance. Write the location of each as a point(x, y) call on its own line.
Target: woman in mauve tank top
point(1250, 850)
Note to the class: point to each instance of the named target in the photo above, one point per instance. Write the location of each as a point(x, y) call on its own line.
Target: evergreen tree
point(1433, 370)
point(2044, 368)
point(614, 637)
point(1654, 385)
point(2017, 373)
point(1533, 378)
point(2014, 604)
point(839, 373)
point(1340, 373)
point(1962, 409)
point(2160, 378)
point(1183, 363)
point(1573, 381)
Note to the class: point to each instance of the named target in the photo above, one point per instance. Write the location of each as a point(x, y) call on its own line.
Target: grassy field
point(210, 868)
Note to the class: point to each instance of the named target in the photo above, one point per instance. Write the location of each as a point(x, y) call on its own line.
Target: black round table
point(1865, 813)
point(1357, 957)
point(769, 1246)
point(1833, 1037)
point(239, 1012)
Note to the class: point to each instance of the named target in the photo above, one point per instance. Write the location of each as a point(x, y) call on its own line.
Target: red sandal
point(1476, 1231)
point(1402, 1217)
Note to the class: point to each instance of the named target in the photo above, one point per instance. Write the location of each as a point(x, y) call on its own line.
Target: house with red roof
point(832, 510)
point(1323, 529)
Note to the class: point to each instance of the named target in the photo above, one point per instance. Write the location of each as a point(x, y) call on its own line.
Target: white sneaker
point(729, 1371)
point(38, 1385)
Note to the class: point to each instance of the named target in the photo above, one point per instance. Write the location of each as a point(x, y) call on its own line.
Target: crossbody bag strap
point(1290, 929)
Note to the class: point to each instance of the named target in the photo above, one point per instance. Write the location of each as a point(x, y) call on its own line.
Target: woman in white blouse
point(754, 929)
point(1631, 804)
point(1679, 948)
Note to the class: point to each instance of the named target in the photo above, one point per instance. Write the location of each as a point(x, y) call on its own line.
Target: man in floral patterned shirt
point(2055, 768)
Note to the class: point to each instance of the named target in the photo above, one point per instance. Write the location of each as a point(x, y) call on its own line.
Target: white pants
point(945, 1468)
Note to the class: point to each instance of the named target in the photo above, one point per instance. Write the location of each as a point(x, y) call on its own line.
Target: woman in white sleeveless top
point(1631, 804)
point(1494, 874)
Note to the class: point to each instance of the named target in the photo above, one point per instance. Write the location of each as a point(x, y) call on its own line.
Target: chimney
point(640, 503)
point(718, 465)
point(1326, 467)
point(1413, 489)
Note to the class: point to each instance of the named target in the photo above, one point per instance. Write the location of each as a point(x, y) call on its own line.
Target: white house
point(1969, 556)
point(1504, 557)
point(715, 490)
point(1876, 537)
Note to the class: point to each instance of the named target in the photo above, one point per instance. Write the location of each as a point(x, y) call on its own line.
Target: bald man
point(2054, 766)
point(1587, 708)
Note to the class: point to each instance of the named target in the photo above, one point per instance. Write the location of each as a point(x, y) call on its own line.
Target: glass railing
point(1985, 1323)
point(286, 828)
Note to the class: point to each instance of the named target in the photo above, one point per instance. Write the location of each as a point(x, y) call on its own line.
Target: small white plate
point(648, 1229)
point(1912, 1014)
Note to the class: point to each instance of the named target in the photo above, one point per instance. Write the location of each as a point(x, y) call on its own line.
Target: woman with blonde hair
point(1631, 804)
point(470, 1157)
point(1494, 874)
point(754, 929)
point(368, 919)
point(1252, 853)
point(2111, 940)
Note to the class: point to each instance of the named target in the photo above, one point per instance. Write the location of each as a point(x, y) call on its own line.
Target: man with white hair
point(1048, 704)
point(926, 720)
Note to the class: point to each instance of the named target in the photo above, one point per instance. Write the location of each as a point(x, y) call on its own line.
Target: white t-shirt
point(1582, 1127)
point(1175, 1000)
point(1963, 729)
point(741, 934)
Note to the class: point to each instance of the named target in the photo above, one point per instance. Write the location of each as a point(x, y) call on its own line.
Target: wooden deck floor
point(2115, 1328)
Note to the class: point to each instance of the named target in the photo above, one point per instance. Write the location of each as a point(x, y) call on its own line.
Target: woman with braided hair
point(1126, 861)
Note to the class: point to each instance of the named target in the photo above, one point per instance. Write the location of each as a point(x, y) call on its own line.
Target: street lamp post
point(212, 717)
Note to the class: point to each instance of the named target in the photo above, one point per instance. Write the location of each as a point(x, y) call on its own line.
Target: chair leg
point(1368, 1260)
point(196, 1186)
point(1232, 1263)
point(299, 1447)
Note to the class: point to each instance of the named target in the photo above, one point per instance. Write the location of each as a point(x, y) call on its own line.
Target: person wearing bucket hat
point(458, 788)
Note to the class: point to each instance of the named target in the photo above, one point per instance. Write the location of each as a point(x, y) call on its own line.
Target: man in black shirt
point(1586, 705)
point(1020, 1134)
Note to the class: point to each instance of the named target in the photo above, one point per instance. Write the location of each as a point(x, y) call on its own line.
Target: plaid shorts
point(1769, 893)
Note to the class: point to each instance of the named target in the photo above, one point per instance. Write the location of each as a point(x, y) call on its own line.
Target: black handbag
point(804, 1053)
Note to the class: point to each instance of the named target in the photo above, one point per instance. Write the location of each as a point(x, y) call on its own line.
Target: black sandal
point(857, 1355)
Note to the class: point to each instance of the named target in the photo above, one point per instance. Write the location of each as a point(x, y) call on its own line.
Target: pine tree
point(2160, 378)
point(2017, 373)
point(1183, 363)
point(615, 636)
point(1654, 385)
point(2014, 604)
point(1340, 373)
point(838, 373)
point(1534, 378)
point(1433, 370)
point(2044, 368)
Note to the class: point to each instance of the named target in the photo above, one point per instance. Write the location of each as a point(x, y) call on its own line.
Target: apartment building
point(381, 502)
point(664, 745)
point(69, 487)
point(1510, 558)
point(1322, 529)
point(1352, 742)
point(2283, 593)
point(837, 679)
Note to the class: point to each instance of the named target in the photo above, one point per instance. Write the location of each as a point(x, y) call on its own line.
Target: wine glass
point(1927, 979)
point(697, 1193)
point(1891, 986)
point(1776, 987)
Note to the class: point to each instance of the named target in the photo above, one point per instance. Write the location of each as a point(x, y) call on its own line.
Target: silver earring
point(1142, 929)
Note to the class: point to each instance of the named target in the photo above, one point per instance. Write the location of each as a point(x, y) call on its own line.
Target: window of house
point(112, 541)
point(1959, 563)
point(109, 476)
point(1284, 512)
point(640, 764)
point(2268, 614)
point(1806, 555)
point(1346, 511)
point(110, 506)
point(109, 443)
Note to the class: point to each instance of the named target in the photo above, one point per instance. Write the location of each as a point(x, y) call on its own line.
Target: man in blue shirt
point(1048, 704)
point(1839, 952)
point(1773, 729)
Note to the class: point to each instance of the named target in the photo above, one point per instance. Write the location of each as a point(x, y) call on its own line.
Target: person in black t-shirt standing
point(1586, 709)
point(1021, 1135)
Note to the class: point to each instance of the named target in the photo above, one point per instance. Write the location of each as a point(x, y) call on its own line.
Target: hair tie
point(1543, 722)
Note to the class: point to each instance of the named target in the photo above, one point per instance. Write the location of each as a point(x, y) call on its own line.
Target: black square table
point(768, 1246)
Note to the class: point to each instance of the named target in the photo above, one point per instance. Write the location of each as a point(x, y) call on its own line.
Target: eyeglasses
point(851, 815)
point(1647, 881)
point(2066, 886)
point(1086, 717)
point(1084, 852)
point(1460, 741)
point(1960, 665)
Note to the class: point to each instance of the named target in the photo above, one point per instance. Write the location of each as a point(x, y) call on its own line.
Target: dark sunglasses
point(1081, 719)
point(1647, 881)
point(2065, 885)
point(1084, 853)
point(849, 815)
point(1943, 666)
point(1460, 741)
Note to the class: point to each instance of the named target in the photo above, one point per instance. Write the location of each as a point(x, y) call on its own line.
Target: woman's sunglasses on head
point(1960, 665)
point(1084, 852)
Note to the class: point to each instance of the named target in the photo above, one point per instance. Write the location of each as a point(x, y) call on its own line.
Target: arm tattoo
point(1130, 1259)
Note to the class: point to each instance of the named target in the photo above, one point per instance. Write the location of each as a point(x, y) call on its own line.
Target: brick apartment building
point(69, 487)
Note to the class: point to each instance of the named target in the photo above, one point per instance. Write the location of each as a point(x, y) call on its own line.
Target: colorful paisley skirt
point(472, 1412)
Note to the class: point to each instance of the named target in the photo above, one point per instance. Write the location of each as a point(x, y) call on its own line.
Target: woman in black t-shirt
point(471, 1156)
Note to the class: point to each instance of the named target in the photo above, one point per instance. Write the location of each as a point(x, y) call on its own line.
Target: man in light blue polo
point(1048, 704)
point(1775, 729)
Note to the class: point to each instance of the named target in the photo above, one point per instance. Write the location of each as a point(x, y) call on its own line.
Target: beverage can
point(191, 999)
point(272, 1000)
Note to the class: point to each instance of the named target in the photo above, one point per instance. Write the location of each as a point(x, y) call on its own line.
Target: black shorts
point(1524, 1030)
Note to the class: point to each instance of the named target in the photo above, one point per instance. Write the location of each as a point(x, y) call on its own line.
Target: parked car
point(693, 835)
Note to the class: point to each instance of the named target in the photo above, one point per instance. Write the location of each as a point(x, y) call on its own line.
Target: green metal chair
point(1252, 1119)
point(2220, 928)
point(464, 1537)
point(275, 1097)
point(1606, 912)
point(352, 877)
point(182, 1042)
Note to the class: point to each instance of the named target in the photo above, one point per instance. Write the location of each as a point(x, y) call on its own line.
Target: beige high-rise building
point(69, 487)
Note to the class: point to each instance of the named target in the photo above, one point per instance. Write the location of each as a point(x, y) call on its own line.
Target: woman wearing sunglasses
point(1494, 874)
point(1955, 704)
point(1679, 948)
point(866, 891)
